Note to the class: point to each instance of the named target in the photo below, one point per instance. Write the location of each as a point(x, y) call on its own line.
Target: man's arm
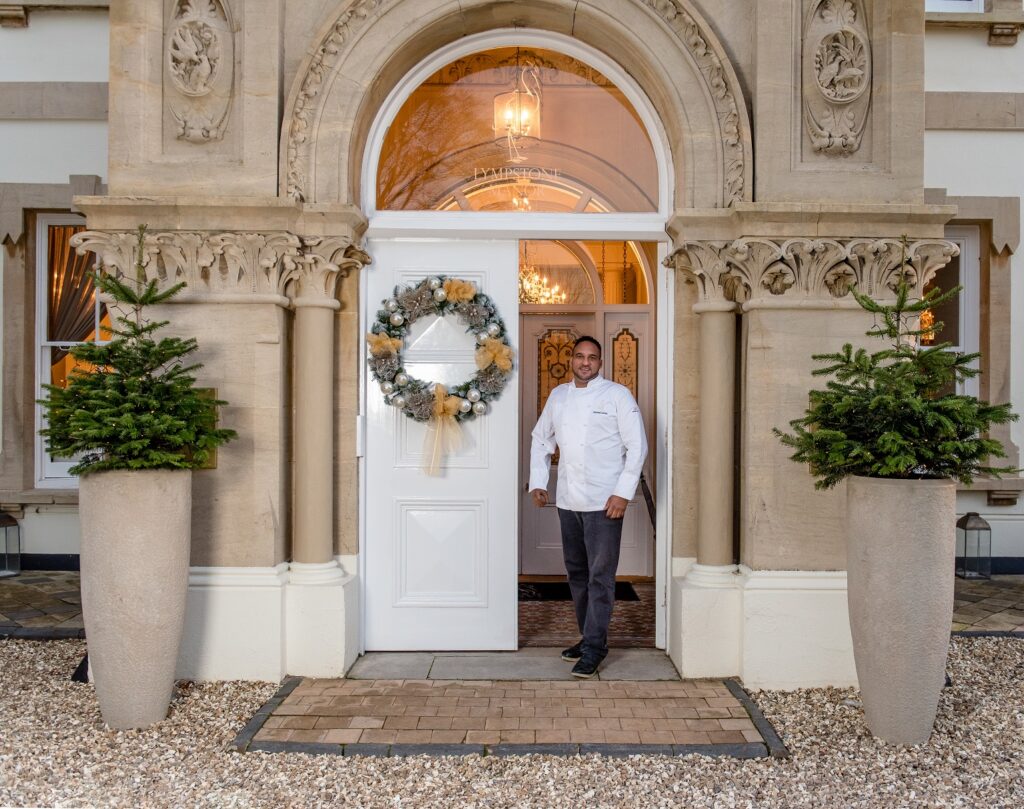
point(634, 441)
point(541, 450)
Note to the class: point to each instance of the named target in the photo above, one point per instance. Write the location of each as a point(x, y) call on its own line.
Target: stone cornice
point(16, 198)
point(781, 220)
point(229, 213)
point(230, 266)
point(1002, 212)
point(792, 271)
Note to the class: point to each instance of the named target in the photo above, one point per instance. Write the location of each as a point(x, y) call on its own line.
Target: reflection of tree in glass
point(435, 123)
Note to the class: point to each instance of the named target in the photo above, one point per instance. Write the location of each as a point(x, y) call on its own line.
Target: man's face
point(586, 362)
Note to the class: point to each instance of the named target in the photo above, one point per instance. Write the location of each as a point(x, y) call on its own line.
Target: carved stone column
point(708, 600)
point(314, 279)
point(703, 263)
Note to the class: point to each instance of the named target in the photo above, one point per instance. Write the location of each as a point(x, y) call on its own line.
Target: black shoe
point(586, 668)
point(573, 653)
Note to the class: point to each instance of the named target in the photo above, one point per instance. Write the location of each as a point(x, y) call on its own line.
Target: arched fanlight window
point(517, 129)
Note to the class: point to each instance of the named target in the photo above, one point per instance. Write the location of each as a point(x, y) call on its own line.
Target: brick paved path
point(694, 712)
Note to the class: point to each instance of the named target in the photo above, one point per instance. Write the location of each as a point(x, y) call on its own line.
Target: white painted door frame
point(665, 362)
point(513, 225)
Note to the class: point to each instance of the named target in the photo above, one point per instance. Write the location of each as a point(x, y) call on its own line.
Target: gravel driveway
point(55, 751)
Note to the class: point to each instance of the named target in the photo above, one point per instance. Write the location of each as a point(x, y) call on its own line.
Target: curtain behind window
point(71, 294)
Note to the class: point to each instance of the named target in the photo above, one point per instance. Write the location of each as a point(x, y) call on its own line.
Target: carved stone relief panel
point(836, 78)
point(199, 72)
point(750, 269)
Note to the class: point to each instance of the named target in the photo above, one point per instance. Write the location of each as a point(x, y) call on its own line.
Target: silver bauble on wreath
point(398, 401)
point(397, 319)
point(482, 336)
point(401, 380)
point(480, 408)
point(387, 388)
point(434, 283)
point(493, 329)
point(465, 406)
point(391, 305)
point(440, 295)
point(473, 395)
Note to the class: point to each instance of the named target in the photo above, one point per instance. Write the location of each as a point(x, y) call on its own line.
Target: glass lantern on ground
point(973, 547)
point(10, 546)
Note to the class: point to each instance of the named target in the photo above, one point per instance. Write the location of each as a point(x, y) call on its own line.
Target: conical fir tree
point(895, 413)
point(131, 403)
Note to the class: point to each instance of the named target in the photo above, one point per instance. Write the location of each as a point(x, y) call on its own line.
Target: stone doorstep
point(356, 733)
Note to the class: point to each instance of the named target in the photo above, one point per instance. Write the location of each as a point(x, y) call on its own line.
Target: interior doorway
point(602, 288)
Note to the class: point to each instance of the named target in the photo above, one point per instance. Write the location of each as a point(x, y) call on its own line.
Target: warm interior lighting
point(517, 113)
point(534, 287)
point(927, 326)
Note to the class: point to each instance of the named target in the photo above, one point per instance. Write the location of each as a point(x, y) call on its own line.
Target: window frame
point(49, 473)
point(968, 239)
point(955, 6)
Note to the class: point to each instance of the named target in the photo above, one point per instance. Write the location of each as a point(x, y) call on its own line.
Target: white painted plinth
point(234, 624)
point(707, 605)
point(322, 620)
point(262, 623)
point(772, 629)
point(796, 630)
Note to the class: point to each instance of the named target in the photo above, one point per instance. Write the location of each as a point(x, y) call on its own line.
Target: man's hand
point(540, 497)
point(615, 507)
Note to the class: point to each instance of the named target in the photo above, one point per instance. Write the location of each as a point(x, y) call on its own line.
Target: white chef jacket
point(600, 435)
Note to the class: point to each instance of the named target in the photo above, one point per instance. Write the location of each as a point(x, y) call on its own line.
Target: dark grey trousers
point(590, 547)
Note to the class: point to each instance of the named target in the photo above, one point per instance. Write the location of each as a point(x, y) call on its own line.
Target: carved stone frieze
point(749, 269)
point(712, 68)
point(199, 67)
point(230, 264)
point(836, 75)
point(226, 264)
point(300, 129)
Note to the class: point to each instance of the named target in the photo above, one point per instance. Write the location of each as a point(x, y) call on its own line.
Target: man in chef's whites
point(597, 427)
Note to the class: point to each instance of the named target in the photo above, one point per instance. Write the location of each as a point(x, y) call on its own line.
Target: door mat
point(559, 591)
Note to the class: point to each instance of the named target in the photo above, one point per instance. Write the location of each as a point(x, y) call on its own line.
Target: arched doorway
point(453, 188)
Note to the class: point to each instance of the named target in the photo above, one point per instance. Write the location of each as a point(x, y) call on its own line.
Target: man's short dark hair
point(588, 339)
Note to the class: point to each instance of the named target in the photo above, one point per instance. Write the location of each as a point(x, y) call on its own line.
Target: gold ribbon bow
point(459, 291)
point(444, 434)
point(494, 350)
point(381, 344)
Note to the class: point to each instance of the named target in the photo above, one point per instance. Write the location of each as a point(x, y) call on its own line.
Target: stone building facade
point(789, 157)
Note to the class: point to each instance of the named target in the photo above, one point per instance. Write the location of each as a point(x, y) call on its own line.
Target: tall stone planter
point(900, 554)
point(136, 531)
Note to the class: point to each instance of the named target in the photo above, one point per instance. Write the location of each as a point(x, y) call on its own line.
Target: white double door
point(441, 552)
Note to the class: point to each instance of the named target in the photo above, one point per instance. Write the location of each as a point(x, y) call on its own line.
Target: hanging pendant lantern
point(517, 113)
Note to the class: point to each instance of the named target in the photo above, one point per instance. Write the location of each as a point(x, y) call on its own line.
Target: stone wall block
point(194, 97)
point(838, 101)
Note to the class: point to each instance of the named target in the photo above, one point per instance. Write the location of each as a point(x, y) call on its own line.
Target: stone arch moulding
point(367, 47)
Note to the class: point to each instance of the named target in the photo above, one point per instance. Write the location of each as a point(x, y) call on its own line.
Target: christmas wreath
point(430, 402)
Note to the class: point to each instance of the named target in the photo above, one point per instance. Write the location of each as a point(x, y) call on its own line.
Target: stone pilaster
point(313, 284)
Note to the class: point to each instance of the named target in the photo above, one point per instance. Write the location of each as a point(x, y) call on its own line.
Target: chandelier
point(517, 112)
point(534, 287)
point(927, 327)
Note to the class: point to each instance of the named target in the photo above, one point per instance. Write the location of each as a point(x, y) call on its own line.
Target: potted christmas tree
point(892, 423)
point(137, 426)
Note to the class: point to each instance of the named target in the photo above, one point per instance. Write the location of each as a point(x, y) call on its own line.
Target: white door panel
point(441, 551)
